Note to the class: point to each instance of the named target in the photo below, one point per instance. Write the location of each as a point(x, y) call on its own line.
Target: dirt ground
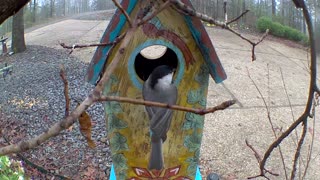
point(280, 72)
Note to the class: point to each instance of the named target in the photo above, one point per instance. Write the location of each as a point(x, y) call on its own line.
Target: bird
point(159, 87)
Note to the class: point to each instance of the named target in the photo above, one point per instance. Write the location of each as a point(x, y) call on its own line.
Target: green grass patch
point(10, 169)
point(280, 30)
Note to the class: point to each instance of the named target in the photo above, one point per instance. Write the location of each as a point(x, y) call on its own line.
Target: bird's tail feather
point(156, 158)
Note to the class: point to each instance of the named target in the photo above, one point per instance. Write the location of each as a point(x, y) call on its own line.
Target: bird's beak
point(174, 70)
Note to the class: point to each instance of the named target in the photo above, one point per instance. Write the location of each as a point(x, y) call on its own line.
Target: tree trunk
point(274, 7)
point(316, 12)
point(304, 28)
point(217, 9)
point(64, 7)
point(243, 19)
point(282, 12)
point(8, 7)
point(18, 43)
point(51, 8)
point(34, 11)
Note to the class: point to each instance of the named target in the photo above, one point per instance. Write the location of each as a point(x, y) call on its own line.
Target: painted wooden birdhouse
point(184, 45)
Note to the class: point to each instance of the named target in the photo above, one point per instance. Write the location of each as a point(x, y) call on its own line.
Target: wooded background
point(282, 11)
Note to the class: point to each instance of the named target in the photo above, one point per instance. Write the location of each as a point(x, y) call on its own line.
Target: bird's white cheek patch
point(166, 81)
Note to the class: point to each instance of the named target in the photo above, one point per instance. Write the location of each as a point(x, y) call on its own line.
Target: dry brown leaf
point(85, 128)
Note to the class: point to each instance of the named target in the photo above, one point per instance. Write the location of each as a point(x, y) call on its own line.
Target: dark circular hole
point(144, 66)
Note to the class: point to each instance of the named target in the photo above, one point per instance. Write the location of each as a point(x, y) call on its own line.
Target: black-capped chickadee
point(159, 87)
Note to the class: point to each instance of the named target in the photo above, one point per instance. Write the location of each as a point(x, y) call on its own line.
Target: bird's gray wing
point(148, 96)
point(160, 122)
point(151, 111)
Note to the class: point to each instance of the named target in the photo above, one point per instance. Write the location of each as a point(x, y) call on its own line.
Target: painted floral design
point(193, 163)
point(119, 142)
point(193, 121)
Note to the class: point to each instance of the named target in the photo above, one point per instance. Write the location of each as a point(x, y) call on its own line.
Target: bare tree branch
point(75, 46)
point(298, 3)
point(315, 104)
point(66, 88)
point(295, 141)
point(225, 11)
point(154, 13)
point(271, 124)
point(222, 106)
point(297, 154)
point(184, 8)
point(279, 140)
point(54, 130)
point(124, 12)
point(237, 18)
point(256, 154)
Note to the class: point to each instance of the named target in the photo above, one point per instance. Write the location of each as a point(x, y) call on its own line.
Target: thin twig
point(123, 12)
point(237, 18)
point(312, 137)
point(271, 124)
point(256, 154)
point(225, 12)
point(254, 44)
point(269, 97)
point(257, 43)
point(291, 109)
point(222, 106)
point(184, 8)
point(279, 140)
point(287, 95)
point(66, 88)
point(75, 46)
point(297, 154)
point(189, 11)
point(154, 13)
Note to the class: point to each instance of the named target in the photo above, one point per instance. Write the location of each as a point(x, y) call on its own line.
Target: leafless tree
point(18, 42)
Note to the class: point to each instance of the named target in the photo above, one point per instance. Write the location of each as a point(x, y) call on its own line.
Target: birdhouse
point(179, 41)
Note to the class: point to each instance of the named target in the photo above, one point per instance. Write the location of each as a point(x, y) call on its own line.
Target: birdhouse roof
point(118, 24)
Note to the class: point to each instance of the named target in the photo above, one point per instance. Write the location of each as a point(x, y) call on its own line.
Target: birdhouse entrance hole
point(152, 57)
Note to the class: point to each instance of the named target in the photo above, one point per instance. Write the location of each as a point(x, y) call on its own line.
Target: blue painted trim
point(132, 73)
point(97, 68)
point(155, 21)
point(198, 174)
point(204, 50)
point(112, 173)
